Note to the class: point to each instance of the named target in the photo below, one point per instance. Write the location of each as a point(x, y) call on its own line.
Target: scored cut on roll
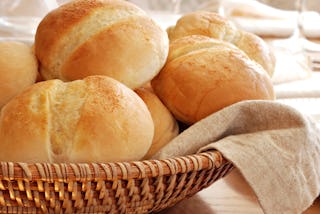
point(18, 69)
point(213, 25)
point(165, 125)
point(97, 119)
point(203, 75)
point(100, 37)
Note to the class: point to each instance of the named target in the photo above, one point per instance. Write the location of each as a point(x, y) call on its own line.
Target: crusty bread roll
point(203, 75)
point(100, 37)
point(96, 119)
point(18, 69)
point(165, 125)
point(215, 26)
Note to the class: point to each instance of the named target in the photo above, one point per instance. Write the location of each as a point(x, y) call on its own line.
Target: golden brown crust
point(96, 119)
point(215, 26)
point(60, 21)
point(203, 23)
point(257, 50)
point(207, 79)
point(57, 24)
point(166, 126)
point(18, 69)
point(24, 133)
point(194, 43)
point(107, 37)
point(120, 53)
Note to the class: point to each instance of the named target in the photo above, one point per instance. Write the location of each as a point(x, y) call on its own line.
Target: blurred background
point(189, 5)
point(19, 18)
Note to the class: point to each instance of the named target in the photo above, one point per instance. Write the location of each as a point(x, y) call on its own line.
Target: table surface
point(228, 195)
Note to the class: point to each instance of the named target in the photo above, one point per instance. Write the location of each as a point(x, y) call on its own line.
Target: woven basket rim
point(111, 170)
point(120, 187)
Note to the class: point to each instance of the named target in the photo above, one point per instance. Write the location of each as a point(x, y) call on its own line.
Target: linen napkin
point(274, 146)
point(289, 67)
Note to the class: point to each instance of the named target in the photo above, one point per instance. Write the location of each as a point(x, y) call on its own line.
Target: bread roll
point(100, 37)
point(165, 125)
point(203, 75)
point(96, 119)
point(18, 69)
point(215, 26)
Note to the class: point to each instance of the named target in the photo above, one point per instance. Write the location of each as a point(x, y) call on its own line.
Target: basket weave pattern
point(124, 187)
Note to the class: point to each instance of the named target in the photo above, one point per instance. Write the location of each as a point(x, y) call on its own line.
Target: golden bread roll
point(18, 69)
point(165, 125)
point(100, 37)
point(203, 75)
point(96, 119)
point(215, 26)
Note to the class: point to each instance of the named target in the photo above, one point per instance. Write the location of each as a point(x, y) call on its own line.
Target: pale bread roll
point(203, 75)
point(100, 37)
point(18, 69)
point(215, 26)
point(165, 125)
point(96, 119)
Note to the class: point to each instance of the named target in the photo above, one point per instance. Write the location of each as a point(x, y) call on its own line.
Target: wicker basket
point(126, 187)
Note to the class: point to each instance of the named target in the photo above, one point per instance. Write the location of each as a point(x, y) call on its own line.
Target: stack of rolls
point(203, 75)
point(115, 86)
point(91, 54)
point(213, 25)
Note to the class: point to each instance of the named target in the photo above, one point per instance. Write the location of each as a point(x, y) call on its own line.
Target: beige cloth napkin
point(275, 147)
point(290, 68)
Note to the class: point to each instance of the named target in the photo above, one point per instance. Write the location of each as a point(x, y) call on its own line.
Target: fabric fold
point(274, 146)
